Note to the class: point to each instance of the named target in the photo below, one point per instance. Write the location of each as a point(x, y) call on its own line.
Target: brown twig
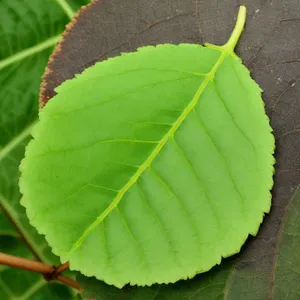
point(70, 282)
point(49, 272)
point(26, 264)
point(61, 268)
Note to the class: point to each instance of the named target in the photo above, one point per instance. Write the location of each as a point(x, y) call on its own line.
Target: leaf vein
point(165, 185)
point(160, 223)
point(121, 96)
point(232, 117)
point(94, 144)
point(200, 181)
point(48, 210)
point(137, 243)
point(29, 51)
point(226, 167)
point(66, 8)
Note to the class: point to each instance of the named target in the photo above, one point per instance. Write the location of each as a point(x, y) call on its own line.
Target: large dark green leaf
point(28, 32)
point(286, 272)
point(268, 47)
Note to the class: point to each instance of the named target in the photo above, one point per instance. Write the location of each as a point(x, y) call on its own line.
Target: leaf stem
point(49, 272)
point(237, 31)
point(26, 264)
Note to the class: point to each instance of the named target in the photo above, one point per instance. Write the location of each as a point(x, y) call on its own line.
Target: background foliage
point(28, 32)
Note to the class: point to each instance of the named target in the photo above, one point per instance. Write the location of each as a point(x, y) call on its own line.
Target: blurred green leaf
point(286, 279)
point(28, 32)
point(6, 228)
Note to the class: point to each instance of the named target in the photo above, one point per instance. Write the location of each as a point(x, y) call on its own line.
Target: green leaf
point(152, 166)
point(28, 31)
point(286, 272)
point(6, 228)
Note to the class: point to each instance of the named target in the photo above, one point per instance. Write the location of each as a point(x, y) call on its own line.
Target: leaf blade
point(62, 110)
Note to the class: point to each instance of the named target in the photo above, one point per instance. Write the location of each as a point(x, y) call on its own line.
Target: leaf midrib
point(66, 8)
point(190, 107)
point(50, 42)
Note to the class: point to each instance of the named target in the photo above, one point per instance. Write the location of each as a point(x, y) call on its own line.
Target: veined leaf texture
point(163, 159)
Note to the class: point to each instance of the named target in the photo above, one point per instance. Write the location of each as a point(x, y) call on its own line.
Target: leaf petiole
point(237, 31)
